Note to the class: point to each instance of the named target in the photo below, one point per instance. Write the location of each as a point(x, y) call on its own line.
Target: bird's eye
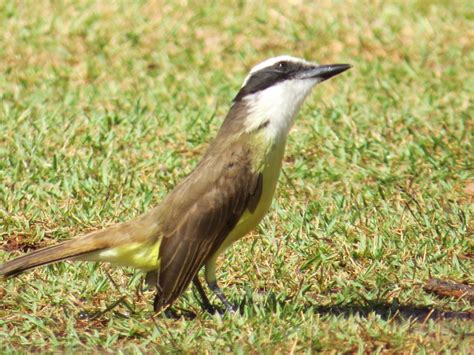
point(282, 65)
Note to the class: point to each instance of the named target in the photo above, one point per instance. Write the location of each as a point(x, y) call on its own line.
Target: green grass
point(104, 108)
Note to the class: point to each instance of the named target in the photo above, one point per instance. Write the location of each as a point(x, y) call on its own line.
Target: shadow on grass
point(392, 311)
point(387, 311)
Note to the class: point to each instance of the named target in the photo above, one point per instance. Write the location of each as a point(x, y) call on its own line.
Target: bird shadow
point(248, 306)
point(388, 311)
point(381, 308)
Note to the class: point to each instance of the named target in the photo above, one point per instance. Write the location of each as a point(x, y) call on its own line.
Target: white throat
point(276, 107)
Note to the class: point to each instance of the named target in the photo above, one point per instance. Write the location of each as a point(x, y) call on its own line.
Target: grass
point(105, 107)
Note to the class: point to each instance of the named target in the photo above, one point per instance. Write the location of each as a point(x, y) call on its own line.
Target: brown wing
point(206, 207)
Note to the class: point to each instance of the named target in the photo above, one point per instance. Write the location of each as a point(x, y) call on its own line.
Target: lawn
point(105, 106)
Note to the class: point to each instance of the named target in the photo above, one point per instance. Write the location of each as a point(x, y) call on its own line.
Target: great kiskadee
point(221, 200)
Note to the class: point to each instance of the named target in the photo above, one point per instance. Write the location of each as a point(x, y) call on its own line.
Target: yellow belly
point(248, 221)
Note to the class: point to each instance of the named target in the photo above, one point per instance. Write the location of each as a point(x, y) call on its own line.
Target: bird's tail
point(133, 243)
point(66, 250)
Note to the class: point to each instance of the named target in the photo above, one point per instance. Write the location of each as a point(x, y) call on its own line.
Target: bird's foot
point(229, 308)
point(170, 313)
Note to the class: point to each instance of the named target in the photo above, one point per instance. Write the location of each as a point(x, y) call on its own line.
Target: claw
point(218, 292)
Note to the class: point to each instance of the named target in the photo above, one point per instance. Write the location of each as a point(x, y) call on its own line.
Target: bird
point(226, 195)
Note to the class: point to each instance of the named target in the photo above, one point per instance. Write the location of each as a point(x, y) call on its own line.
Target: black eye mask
point(269, 76)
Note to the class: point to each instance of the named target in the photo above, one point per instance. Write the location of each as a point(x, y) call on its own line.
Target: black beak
point(324, 72)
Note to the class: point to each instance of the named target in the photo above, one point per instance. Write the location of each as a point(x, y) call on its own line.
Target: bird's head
point(274, 90)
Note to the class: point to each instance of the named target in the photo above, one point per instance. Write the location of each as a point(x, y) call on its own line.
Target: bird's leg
point(171, 313)
point(205, 303)
point(218, 292)
point(212, 283)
